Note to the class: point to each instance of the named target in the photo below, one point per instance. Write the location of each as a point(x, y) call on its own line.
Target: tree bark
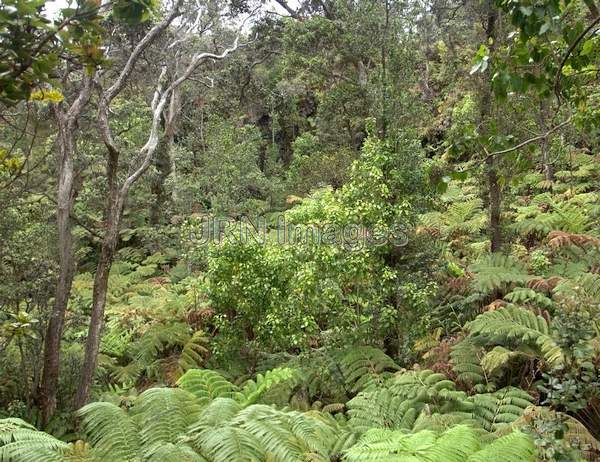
point(109, 245)
point(545, 145)
point(163, 162)
point(495, 202)
point(491, 167)
point(67, 128)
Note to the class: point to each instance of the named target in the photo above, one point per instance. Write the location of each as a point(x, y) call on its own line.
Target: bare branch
point(108, 95)
point(146, 41)
point(531, 140)
point(293, 13)
point(150, 147)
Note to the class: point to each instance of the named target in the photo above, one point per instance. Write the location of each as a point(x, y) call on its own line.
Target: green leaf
point(588, 47)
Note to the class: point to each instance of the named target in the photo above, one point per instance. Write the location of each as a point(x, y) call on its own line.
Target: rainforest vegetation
point(299, 230)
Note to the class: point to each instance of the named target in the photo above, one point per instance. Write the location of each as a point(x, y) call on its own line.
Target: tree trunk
point(495, 198)
point(494, 190)
point(65, 277)
point(67, 128)
point(162, 162)
point(545, 145)
point(118, 195)
point(92, 346)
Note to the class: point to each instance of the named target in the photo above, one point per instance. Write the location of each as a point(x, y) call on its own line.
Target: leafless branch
point(531, 140)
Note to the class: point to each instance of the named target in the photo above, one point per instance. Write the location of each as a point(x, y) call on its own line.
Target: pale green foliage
point(207, 385)
point(546, 213)
point(407, 399)
point(497, 357)
point(461, 218)
point(20, 441)
point(111, 431)
point(517, 325)
point(496, 271)
point(261, 432)
point(458, 444)
point(209, 419)
point(525, 296)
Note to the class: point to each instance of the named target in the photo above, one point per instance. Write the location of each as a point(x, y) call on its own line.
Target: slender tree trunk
point(112, 217)
point(491, 167)
point(545, 145)
point(163, 162)
point(118, 194)
point(92, 347)
point(65, 277)
point(67, 127)
point(495, 202)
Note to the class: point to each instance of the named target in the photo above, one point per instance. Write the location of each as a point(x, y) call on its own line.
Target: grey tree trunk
point(92, 347)
point(491, 167)
point(67, 129)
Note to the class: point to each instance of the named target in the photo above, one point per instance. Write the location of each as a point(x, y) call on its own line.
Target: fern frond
point(497, 409)
point(363, 367)
point(513, 447)
point(458, 444)
point(515, 324)
point(170, 452)
point(206, 385)
point(193, 352)
point(496, 358)
point(20, 441)
point(526, 296)
point(497, 271)
point(254, 389)
point(163, 415)
point(111, 431)
point(465, 359)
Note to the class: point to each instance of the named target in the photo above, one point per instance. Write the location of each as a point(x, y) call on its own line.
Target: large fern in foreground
point(459, 444)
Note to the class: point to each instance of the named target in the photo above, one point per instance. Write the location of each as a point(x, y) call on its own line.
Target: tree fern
point(365, 366)
point(399, 403)
point(495, 410)
point(206, 385)
point(111, 431)
point(496, 271)
point(163, 350)
point(193, 351)
point(464, 217)
point(513, 447)
point(516, 326)
point(526, 296)
point(254, 389)
point(228, 432)
point(172, 452)
point(497, 357)
point(458, 444)
point(163, 415)
point(20, 442)
point(465, 359)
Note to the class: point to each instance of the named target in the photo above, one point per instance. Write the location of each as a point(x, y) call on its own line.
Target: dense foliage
point(308, 231)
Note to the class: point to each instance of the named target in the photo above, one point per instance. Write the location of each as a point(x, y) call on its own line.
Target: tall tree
point(67, 117)
point(117, 196)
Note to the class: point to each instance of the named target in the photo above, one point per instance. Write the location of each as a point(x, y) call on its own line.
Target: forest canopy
point(292, 231)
